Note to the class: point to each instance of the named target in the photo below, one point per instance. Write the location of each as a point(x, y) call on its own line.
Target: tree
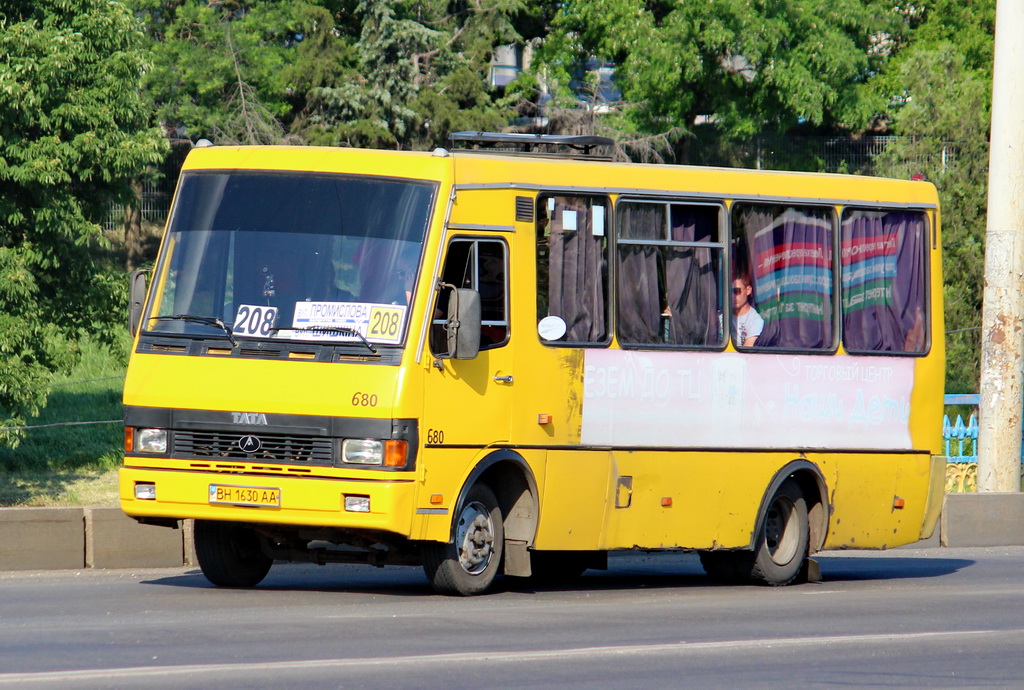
point(237, 73)
point(73, 131)
point(746, 66)
point(421, 73)
point(938, 87)
point(383, 73)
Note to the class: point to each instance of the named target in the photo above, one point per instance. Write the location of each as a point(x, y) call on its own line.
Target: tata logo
point(249, 418)
point(249, 444)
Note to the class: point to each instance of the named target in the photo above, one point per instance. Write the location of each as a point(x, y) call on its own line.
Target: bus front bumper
point(364, 504)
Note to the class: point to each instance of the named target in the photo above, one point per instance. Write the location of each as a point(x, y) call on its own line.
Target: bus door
point(468, 402)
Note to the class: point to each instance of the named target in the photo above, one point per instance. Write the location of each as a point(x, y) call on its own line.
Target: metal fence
point(157, 191)
point(831, 154)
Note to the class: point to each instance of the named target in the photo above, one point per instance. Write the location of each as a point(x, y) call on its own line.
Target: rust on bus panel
point(571, 364)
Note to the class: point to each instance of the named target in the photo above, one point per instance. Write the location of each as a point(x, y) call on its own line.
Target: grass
point(72, 464)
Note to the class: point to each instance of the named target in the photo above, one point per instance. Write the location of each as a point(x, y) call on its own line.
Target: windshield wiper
point(208, 320)
point(341, 330)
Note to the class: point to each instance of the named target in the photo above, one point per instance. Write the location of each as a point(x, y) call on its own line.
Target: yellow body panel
point(215, 383)
point(674, 499)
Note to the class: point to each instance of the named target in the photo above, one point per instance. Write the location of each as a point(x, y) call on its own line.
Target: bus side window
point(572, 266)
point(783, 277)
point(884, 281)
point(669, 274)
point(482, 266)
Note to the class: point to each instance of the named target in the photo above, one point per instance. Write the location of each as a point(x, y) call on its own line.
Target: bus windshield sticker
point(254, 320)
point(569, 220)
point(378, 323)
point(597, 220)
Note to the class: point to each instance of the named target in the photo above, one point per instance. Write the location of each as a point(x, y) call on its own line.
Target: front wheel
point(230, 555)
point(470, 563)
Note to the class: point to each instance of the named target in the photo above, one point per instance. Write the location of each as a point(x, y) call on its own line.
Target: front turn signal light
point(395, 453)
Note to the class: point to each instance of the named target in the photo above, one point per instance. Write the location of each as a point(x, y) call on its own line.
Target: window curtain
point(790, 264)
point(639, 301)
point(691, 280)
point(577, 270)
point(884, 278)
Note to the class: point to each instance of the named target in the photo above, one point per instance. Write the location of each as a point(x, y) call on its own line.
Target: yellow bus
point(487, 362)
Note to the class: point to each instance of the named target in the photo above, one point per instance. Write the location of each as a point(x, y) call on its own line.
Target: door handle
point(503, 379)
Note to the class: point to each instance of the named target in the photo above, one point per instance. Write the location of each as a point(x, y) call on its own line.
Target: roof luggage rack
point(526, 143)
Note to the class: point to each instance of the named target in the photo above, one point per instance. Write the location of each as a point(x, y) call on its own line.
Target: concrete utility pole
point(1002, 336)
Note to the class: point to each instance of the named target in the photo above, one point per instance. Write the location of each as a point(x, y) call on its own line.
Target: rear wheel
point(230, 555)
point(780, 553)
point(781, 549)
point(470, 563)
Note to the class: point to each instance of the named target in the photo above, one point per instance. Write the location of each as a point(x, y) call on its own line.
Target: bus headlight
point(362, 451)
point(151, 440)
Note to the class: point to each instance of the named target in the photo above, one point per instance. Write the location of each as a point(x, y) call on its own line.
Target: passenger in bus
point(747, 323)
point(915, 339)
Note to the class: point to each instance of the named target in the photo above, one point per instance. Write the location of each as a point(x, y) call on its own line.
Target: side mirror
point(463, 327)
point(136, 300)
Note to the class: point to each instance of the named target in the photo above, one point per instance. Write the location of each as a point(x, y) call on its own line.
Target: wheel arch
point(812, 484)
point(512, 481)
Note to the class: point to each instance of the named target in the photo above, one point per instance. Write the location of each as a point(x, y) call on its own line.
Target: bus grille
point(281, 448)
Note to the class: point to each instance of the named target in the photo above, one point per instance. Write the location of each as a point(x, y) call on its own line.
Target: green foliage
point(746, 66)
point(939, 88)
point(376, 73)
point(239, 72)
point(54, 462)
point(421, 73)
point(73, 128)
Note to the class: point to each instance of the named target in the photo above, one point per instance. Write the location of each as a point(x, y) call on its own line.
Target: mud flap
point(517, 558)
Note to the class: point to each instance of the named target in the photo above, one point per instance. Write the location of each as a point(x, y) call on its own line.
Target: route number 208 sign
point(254, 320)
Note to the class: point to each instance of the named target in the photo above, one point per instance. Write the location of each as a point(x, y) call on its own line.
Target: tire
point(230, 555)
point(781, 550)
point(469, 564)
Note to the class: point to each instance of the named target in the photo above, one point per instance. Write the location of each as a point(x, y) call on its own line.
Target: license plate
point(245, 495)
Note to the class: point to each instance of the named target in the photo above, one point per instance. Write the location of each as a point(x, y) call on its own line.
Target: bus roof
point(577, 174)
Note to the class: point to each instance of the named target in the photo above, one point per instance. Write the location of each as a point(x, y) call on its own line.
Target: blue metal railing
point(961, 439)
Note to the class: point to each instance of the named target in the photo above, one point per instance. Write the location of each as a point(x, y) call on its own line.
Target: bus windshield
point(295, 256)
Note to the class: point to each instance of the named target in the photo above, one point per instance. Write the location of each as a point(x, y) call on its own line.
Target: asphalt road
point(907, 618)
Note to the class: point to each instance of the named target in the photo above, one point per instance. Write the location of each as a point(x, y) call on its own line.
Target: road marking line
point(478, 656)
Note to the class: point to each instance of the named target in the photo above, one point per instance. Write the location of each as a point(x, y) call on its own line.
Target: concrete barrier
point(42, 538)
point(114, 540)
point(983, 519)
point(72, 538)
